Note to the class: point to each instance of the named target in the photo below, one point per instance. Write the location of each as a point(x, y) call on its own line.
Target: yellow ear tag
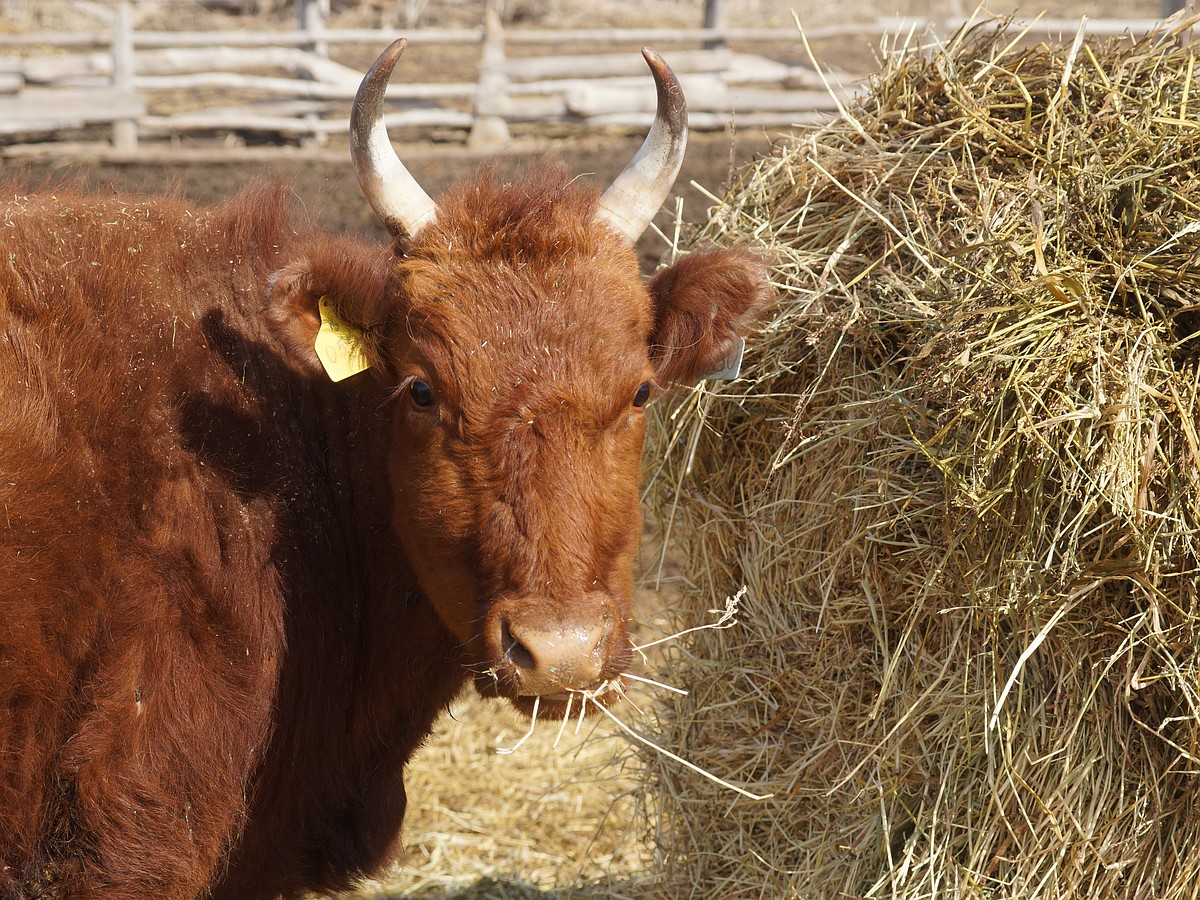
point(339, 345)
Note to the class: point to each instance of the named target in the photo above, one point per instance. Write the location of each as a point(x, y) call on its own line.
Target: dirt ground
point(325, 181)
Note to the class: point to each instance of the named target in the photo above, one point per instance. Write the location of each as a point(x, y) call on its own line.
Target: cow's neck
point(394, 609)
point(387, 669)
point(401, 655)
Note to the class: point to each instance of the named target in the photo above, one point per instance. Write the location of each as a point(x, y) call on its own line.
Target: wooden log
point(760, 101)
point(58, 149)
point(222, 120)
point(547, 108)
point(297, 109)
point(715, 18)
point(490, 129)
point(183, 60)
point(333, 36)
point(56, 39)
point(125, 136)
point(609, 65)
point(51, 69)
point(591, 101)
point(706, 121)
point(311, 16)
point(599, 98)
point(248, 120)
point(45, 109)
point(294, 87)
point(243, 38)
point(233, 59)
point(175, 154)
point(750, 73)
point(750, 67)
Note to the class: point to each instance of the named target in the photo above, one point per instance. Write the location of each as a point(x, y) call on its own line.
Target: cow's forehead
point(492, 333)
point(523, 295)
point(537, 236)
point(518, 283)
point(548, 300)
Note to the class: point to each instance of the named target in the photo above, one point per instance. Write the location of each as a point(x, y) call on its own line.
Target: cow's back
point(140, 617)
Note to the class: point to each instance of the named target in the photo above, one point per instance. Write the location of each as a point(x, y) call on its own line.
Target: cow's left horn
point(637, 193)
point(401, 204)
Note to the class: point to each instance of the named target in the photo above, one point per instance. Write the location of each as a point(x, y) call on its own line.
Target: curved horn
point(637, 193)
point(401, 204)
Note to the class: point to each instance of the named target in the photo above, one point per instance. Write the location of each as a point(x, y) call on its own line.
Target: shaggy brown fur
point(233, 594)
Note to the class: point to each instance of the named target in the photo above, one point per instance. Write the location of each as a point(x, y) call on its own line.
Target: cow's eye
point(421, 393)
point(642, 395)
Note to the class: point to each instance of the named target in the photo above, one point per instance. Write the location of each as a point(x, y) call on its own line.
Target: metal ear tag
point(732, 366)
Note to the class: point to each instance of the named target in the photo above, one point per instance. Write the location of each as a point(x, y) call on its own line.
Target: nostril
point(514, 651)
point(539, 647)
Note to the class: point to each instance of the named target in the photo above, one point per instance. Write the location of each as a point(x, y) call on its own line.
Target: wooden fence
point(283, 86)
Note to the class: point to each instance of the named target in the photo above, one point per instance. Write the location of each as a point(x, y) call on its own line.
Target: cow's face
point(522, 349)
point(523, 375)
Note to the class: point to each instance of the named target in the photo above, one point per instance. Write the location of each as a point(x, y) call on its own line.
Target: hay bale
point(961, 481)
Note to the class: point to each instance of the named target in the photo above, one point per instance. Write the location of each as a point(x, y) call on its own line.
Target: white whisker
point(628, 699)
point(563, 725)
point(582, 710)
point(527, 735)
point(603, 688)
point(679, 759)
point(651, 681)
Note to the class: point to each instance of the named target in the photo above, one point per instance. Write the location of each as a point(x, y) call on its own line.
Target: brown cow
point(234, 594)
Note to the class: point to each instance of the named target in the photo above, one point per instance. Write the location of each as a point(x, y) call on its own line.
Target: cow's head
point(523, 348)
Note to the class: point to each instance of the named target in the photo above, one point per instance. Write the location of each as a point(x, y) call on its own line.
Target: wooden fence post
point(714, 17)
point(312, 15)
point(125, 131)
point(489, 129)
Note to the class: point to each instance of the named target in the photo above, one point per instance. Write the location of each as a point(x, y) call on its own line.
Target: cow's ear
point(329, 309)
point(703, 306)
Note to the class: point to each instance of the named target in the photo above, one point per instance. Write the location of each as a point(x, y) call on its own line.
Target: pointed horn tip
point(385, 62)
point(374, 84)
point(672, 103)
point(393, 52)
point(654, 60)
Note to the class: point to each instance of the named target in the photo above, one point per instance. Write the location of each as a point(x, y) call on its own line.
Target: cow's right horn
point(637, 193)
point(401, 204)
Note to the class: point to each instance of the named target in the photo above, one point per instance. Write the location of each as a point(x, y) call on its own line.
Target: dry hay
point(960, 481)
point(498, 810)
point(540, 822)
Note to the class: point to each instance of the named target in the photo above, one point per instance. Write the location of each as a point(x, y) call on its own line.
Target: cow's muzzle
point(544, 647)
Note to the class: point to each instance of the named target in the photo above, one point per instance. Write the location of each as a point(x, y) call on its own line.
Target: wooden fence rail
point(281, 86)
